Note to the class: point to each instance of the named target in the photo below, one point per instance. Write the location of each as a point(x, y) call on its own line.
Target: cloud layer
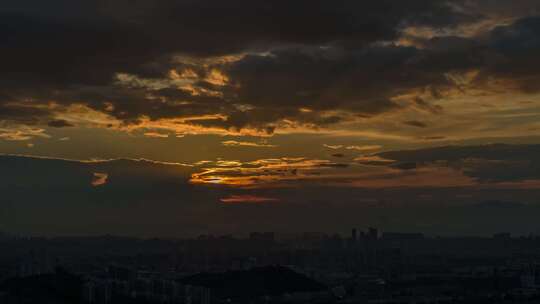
point(195, 67)
point(448, 190)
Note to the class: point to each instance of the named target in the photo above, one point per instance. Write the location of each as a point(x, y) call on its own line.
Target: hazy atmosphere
point(178, 118)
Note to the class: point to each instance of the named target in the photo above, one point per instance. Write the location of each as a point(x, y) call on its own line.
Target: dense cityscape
point(364, 267)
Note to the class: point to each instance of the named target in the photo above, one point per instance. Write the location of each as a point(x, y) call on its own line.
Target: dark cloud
point(326, 79)
point(123, 173)
point(488, 163)
point(517, 46)
point(505, 54)
point(21, 113)
point(55, 196)
point(148, 199)
point(362, 81)
point(499, 204)
point(97, 34)
point(59, 123)
point(334, 165)
point(503, 9)
point(405, 166)
point(433, 137)
point(330, 58)
point(454, 153)
point(416, 123)
point(427, 106)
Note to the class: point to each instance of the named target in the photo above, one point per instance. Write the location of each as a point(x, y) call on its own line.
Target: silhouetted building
point(373, 233)
point(398, 236)
point(262, 236)
point(502, 236)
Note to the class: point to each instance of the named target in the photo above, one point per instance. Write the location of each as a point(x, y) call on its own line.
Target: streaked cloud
point(59, 123)
point(373, 160)
point(366, 148)
point(415, 123)
point(238, 199)
point(333, 147)
point(477, 166)
point(265, 172)
point(156, 135)
point(362, 148)
point(148, 195)
point(234, 143)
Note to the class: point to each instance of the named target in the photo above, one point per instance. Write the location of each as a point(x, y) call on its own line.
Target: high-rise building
point(373, 233)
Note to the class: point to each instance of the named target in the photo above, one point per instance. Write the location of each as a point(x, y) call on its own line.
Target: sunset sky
point(181, 117)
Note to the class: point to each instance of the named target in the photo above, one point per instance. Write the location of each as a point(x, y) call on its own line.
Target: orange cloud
point(156, 135)
point(234, 143)
point(99, 179)
point(365, 148)
point(21, 133)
